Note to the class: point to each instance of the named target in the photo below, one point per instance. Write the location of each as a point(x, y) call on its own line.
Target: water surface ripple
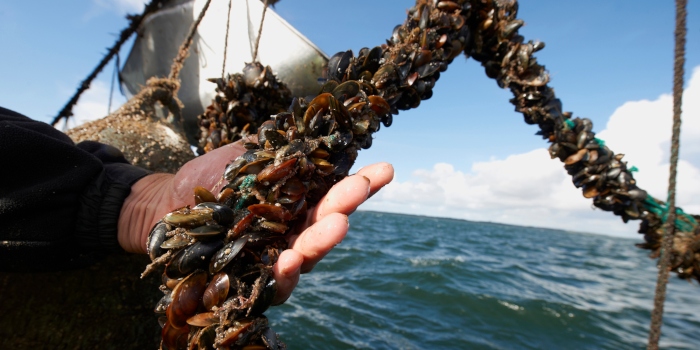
point(409, 282)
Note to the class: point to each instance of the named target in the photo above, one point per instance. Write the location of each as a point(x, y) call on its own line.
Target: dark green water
point(407, 282)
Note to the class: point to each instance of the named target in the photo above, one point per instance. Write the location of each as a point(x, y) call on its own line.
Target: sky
point(462, 154)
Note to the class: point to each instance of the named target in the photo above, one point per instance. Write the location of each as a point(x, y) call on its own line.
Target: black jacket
point(59, 202)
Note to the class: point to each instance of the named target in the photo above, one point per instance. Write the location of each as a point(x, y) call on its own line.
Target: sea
point(415, 282)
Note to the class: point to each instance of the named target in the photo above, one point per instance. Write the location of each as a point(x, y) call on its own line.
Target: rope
point(111, 86)
point(679, 61)
point(683, 221)
point(135, 21)
point(257, 40)
point(228, 20)
point(185, 47)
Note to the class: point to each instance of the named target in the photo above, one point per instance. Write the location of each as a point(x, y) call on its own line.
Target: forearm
point(59, 202)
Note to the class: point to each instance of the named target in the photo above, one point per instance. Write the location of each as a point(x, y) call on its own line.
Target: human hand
point(325, 226)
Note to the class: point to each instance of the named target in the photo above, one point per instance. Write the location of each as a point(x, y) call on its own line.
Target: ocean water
point(409, 282)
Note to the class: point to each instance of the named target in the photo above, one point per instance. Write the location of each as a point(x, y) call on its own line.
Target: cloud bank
point(530, 189)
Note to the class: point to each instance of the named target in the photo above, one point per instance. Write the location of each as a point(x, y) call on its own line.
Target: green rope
point(661, 210)
point(245, 186)
point(570, 123)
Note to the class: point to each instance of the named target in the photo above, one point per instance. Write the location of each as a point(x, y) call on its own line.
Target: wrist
point(146, 204)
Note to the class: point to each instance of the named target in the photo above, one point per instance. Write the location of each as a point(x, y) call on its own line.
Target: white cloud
point(531, 189)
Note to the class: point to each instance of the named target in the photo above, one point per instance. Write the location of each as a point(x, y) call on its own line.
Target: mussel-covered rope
point(228, 22)
point(602, 174)
point(301, 153)
point(257, 39)
point(134, 23)
point(670, 226)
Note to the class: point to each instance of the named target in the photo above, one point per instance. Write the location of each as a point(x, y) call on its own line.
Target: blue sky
point(464, 153)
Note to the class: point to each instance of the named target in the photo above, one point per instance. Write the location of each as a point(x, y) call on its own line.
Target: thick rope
point(228, 21)
point(185, 47)
point(679, 61)
point(135, 21)
point(257, 39)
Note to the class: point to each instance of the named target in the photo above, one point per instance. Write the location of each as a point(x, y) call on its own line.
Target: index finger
point(349, 193)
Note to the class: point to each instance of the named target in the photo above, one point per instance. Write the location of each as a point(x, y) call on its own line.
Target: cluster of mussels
point(242, 102)
point(601, 173)
point(218, 254)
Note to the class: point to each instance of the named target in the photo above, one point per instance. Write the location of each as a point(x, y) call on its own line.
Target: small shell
point(293, 186)
point(270, 212)
point(176, 241)
point(289, 199)
point(226, 195)
point(201, 194)
point(186, 297)
point(156, 239)
point(243, 223)
point(255, 166)
point(576, 157)
point(193, 257)
point(206, 231)
point(226, 254)
point(319, 104)
point(170, 283)
point(216, 291)
point(203, 320)
point(222, 214)
point(346, 90)
point(186, 217)
point(319, 153)
point(274, 173)
point(277, 227)
point(448, 6)
point(235, 331)
point(379, 105)
point(163, 304)
point(205, 337)
point(175, 337)
point(232, 169)
point(590, 191)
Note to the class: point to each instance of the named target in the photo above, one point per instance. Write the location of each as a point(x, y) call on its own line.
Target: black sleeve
point(59, 202)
